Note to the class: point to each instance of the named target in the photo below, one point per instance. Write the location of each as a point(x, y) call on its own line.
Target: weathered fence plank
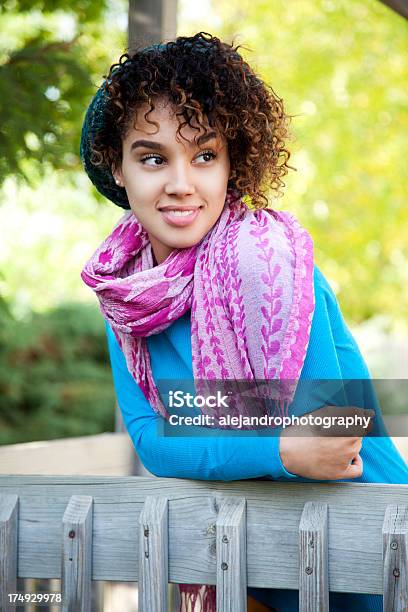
point(231, 556)
point(395, 556)
point(76, 567)
point(153, 555)
point(313, 559)
point(8, 549)
point(355, 527)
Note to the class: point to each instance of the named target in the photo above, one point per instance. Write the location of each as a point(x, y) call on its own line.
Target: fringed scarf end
point(203, 595)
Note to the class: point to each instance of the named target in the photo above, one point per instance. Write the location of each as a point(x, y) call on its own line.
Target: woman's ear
point(118, 177)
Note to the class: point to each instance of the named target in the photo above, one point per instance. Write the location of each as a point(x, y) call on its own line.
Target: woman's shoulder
point(325, 298)
point(322, 286)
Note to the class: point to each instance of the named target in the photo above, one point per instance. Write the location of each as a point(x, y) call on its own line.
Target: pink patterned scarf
point(248, 283)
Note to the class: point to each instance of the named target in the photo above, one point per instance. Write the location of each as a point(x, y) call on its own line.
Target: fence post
point(153, 555)
point(313, 559)
point(395, 558)
point(231, 556)
point(8, 549)
point(76, 569)
point(151, 21)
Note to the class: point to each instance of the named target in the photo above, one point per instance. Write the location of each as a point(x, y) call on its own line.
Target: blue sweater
point(332, 354)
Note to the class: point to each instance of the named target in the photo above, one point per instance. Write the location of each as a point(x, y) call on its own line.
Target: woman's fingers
point(355, 469)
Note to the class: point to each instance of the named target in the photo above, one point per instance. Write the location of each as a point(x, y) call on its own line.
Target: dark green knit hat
point(101, 176)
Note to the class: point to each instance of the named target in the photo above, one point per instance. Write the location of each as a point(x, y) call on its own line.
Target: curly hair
point(210, 86)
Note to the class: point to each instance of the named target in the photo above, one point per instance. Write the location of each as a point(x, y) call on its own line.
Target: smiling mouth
point(180, 217)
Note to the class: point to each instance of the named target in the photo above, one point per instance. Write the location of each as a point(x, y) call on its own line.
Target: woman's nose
point(180, 182)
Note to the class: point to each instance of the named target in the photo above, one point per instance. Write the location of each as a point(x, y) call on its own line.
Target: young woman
point(201, 280)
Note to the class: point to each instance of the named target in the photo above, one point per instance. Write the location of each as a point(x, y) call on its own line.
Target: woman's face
point(176, 188)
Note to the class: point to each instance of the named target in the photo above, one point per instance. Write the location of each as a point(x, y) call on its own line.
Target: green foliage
point(55, 380)
point(30, 76)
point(48, 233)
point(86, 10)
point(51, 57)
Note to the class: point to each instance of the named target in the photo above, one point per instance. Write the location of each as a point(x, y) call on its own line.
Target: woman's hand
point(319, 454)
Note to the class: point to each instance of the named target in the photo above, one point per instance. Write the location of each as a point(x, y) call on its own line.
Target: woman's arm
point(226, 457)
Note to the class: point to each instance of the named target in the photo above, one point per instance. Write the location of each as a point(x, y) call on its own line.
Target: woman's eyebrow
point(151, 144)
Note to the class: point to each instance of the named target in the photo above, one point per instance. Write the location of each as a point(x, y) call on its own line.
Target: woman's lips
point(172, 218)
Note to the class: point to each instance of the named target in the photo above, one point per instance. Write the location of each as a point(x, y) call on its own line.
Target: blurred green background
point(342, 69)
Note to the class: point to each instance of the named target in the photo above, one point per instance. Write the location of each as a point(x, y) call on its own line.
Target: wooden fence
point(101, 454)
point(345, 537)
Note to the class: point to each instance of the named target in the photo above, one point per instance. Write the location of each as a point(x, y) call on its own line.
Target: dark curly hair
point(210, 85)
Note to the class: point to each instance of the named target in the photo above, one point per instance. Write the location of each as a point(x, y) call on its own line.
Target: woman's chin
point(187, 242)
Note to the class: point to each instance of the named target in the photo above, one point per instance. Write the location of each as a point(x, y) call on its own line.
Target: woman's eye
point(158, 161)
point(207, 155)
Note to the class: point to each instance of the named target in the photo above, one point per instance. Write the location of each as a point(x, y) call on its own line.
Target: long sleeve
point(194, 456)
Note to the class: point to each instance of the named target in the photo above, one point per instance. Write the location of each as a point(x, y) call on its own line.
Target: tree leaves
point(47, 81)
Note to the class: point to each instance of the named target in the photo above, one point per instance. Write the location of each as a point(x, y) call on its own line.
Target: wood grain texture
point(153, 555)
point(273, 515)
point(231, 556)
point(313, 558)
point(395, 556)
point(105, 454)
point(76, 565)
point(8, 549)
